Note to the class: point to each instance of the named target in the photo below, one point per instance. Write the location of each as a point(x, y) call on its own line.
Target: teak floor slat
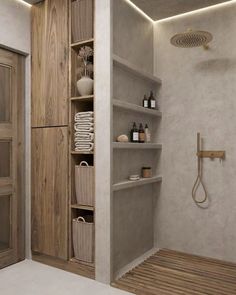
point(192, 270)
point(188, 279)
point(223, 266)
point(170, 272)
point(168, 277)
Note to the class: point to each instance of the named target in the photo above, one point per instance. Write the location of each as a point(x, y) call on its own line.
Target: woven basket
point(83, 239)
point(84, 184)
point(82, 20)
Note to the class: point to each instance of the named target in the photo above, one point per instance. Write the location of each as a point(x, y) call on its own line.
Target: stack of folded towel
point(84, 132)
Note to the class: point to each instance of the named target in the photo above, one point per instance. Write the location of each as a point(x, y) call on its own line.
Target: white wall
point(15, 34)
point(198, 94)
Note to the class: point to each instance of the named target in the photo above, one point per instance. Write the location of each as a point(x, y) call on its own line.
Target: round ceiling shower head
point(191, 39)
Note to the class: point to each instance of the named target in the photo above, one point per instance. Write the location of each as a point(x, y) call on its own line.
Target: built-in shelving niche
point(79, 104)
point(135, 198)
point(127, 108)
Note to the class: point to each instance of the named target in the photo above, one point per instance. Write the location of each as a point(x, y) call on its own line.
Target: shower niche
point(133, 201)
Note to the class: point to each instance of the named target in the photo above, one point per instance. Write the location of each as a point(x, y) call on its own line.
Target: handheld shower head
point(192, 39)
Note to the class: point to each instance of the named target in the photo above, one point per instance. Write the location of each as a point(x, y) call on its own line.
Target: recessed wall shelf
point(124, 64)
point(135, 108)
point(82, 43)
point(81, 153)
point(82, 207)
point(82, 98)
point(130, 184)
point(131, 145)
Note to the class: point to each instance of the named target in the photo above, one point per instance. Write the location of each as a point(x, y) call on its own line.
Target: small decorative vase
point(85, 86)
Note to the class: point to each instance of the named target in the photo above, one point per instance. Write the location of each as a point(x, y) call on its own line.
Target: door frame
point(21, 163)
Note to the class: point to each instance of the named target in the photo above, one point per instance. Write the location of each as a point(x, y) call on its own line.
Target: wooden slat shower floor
point(170, 273)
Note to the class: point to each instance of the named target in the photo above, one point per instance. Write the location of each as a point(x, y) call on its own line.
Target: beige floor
point(32, 278)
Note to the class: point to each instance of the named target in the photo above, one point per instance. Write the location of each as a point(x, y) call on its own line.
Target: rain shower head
point(191, 39)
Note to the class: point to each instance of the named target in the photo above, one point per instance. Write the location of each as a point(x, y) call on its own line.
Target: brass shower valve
point(211, 154)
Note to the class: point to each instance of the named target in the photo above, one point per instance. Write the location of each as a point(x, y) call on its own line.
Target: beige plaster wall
point(198, 94)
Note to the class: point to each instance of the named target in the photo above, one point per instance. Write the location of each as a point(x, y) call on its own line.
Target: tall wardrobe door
point(50, 191)
point(50, 63)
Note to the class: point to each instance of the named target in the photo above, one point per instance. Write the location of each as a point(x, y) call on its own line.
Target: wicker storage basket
point(84, 184)
point(82, 20)
point(83, 239)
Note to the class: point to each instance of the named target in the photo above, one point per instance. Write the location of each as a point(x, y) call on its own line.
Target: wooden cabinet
point(54, 61)
point(50, 191)
point(50, 63)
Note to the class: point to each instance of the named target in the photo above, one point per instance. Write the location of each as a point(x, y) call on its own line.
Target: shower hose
point(197, 183)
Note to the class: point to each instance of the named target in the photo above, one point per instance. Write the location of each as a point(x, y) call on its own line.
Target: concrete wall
point(198, 94)
point(133, 36)
point(15, 34)
point(132, 208)
point(103, 155)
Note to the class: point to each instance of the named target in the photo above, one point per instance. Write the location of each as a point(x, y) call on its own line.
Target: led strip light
point(179, 15)
point(139, 10)
point(24, 3)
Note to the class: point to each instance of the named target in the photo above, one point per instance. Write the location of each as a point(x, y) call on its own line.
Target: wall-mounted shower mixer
point(200, 155)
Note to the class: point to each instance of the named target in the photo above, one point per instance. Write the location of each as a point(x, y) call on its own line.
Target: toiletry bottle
point(145, 101)
point(151, 101)
point(141, 133)
point(134, 134)
point(147, 134)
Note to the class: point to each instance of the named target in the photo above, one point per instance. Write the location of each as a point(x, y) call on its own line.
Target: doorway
point(11, 157)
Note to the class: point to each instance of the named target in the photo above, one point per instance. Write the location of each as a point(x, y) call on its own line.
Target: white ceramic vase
point(85, 86)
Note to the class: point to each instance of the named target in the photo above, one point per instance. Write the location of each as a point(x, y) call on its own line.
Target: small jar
point(146, 172)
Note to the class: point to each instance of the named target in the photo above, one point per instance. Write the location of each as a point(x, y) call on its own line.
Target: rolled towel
point(84, 115)
point(84, 129)
point(86, 147)
point(85, 135)
point(84, 143)
point(84, 120)
point(88, 124)
point(81, 140)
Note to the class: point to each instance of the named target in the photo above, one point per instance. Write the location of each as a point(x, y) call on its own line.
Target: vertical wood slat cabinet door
point(11, 158)
point(50, 63)
point(50, 191)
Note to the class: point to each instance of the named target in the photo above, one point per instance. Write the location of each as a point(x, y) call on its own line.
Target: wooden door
point(50, 191)
point(11, 158)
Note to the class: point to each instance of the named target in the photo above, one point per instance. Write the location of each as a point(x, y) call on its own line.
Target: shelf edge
point(132, 184)
point(136, 108)
point(130, 145)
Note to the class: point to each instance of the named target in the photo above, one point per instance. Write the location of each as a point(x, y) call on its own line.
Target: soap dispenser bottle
point(152, 101)
point(134, 134)
point(147, 134)
point(141, 133)
point(145, 101)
